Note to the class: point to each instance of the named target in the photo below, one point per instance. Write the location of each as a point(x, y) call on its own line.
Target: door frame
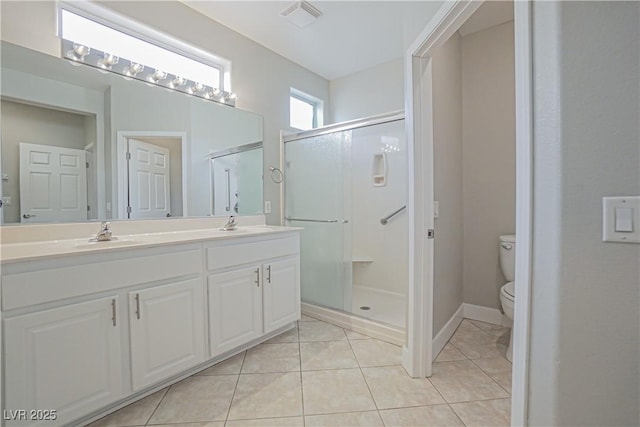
point(417, 353)
point(122, 179)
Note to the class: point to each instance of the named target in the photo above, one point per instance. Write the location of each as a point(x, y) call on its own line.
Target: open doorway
point(427, 334)
point(152, 177)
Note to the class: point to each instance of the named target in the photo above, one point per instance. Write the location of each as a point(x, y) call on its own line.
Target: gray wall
point(585, 326)
point(447, 147)
point(35, 125)
point(376, 90)
point(488, 159)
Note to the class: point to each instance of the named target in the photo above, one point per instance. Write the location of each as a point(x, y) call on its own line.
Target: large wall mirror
point(79, 144)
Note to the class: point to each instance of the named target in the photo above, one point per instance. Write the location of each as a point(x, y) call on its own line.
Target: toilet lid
point(509, 289)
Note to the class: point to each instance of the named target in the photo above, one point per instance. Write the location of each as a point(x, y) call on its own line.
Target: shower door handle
point(311, 220)
point(228, 173)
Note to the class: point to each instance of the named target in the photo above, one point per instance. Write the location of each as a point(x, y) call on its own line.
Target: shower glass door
point(317, 201)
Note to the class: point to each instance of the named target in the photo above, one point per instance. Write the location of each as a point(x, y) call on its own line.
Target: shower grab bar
point(386, 219)
point(311, 220)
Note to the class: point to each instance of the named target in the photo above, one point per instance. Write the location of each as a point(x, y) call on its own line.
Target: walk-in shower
point(346, 186)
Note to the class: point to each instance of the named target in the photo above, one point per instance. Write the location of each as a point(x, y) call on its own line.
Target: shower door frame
point(378, 119)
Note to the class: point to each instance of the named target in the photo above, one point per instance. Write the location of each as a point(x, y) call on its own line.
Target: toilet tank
point(508, 256)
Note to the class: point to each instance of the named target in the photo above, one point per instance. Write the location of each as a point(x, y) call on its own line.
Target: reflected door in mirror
point(53, 184)
point(149, 178)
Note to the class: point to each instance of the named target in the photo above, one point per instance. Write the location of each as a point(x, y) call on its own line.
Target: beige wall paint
point(488, 159)
point(447, 141)
point(376, 90)
point(35, 125)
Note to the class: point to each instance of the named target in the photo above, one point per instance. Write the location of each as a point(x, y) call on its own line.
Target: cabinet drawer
point(53, 284)
point(229, 254)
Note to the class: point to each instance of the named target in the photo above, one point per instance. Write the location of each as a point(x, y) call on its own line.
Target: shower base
point(356, 323)
point(376, 304)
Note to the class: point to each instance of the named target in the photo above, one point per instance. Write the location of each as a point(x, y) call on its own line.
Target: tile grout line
point(304, 422)
point(493, 379)
point(444, 399)
point(233, 395)
point(364, 377)
point(158, 405)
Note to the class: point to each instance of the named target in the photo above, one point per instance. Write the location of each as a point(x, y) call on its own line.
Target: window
point(305, 111)
point(98, 37)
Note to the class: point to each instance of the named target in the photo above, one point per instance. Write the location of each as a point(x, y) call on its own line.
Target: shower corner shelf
point(379, 174)
point(361, 259)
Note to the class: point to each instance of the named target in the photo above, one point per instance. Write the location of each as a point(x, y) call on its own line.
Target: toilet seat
point(508, 291)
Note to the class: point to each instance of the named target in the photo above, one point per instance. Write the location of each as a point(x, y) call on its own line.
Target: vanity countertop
point(29, 251)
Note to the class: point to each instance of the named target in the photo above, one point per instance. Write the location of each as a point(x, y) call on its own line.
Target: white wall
point(376, 90)
point(385, 245)
point(447, 147)
point(488, 158)
point(35, 125)
point(261, 78)
point(584, 356)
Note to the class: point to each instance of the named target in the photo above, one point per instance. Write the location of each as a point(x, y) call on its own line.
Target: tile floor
point(321, 375)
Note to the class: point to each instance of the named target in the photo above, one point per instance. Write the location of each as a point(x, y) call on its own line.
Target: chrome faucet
point(105, 232)
point(230, 225)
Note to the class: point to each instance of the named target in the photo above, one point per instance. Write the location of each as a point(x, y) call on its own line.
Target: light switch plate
point(615, 216)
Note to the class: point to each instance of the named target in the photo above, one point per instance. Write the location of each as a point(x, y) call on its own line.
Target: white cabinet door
point(66, 359)
point(281, 293)
point(235, 308)
point(167, 331)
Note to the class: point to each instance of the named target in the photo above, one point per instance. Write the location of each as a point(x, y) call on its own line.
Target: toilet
point(507, 292)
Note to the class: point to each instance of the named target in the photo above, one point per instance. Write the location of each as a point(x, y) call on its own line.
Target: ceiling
point(490, 14)
point(350, 36)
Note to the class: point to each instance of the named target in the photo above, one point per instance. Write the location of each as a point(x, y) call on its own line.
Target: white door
point(281, 293)
point(167, 331)
point(53, 184)
point(149, 180)
point(235, 308)
point(67, 359)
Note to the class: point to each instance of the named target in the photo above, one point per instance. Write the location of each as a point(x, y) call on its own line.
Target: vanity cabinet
point(281, 292)
point(167, 330)
point(67, 359)
point(69, 344)
point(248, 300)
point(235, 308)
point(84, 332)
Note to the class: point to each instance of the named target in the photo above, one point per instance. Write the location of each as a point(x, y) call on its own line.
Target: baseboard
point(447, 331)
point(391, 334)
point(485, 314)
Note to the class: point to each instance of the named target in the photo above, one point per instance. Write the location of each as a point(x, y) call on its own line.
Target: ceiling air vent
point(301, 13)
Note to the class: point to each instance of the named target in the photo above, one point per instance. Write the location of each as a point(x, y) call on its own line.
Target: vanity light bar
point(103, 61)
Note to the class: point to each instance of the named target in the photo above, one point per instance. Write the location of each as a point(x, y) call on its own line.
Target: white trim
point(357, 324)
point(417, 357)
point(486, 314)
point(122, 182)
point(524, 210)
point(447, 331)
point(417, 353)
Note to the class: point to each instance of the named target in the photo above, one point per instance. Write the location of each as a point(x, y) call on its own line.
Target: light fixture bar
point(104, 61)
